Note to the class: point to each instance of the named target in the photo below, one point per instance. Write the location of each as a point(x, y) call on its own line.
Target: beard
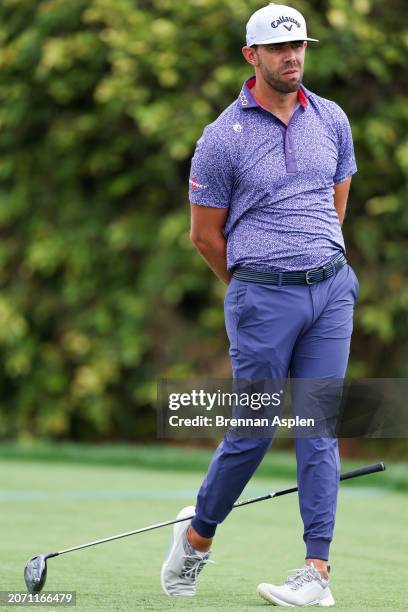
point(276, 82)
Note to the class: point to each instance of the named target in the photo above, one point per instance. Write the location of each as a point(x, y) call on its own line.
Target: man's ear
point(250, 55)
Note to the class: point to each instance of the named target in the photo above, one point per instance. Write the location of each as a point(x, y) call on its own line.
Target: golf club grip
point(368, 469)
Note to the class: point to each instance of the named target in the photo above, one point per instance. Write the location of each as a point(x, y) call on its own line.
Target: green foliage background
point(101, 102)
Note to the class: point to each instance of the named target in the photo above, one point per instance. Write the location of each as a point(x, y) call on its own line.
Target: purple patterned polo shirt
point(276, 180)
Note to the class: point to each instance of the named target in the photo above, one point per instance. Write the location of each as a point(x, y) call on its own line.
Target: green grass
point(48, 506)
point(186, 459)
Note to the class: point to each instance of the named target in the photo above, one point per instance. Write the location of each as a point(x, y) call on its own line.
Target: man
point(269, 185)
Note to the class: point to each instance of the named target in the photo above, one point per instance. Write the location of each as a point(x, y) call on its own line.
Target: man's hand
point(206, 234)
point(341, 191)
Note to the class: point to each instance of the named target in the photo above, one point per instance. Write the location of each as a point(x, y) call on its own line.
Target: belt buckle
point(311, 282)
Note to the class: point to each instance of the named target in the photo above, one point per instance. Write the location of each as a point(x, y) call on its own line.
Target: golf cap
point(276, 23)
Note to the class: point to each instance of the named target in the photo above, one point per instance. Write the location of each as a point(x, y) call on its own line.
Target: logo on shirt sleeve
point(195, 184)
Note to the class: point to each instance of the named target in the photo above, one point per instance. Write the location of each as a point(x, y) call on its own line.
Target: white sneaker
point(183, 564)
point(304, 587)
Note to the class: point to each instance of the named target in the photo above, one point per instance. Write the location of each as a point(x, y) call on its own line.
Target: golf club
point(35, 571)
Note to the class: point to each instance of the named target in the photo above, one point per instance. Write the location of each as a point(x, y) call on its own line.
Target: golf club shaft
point(369, 469)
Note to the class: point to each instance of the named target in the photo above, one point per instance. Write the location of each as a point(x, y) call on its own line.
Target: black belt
point(307, 277)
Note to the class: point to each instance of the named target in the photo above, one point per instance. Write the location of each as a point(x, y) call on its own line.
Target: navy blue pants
point(274, 330)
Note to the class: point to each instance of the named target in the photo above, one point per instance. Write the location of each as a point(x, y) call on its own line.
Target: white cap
point(276, 23)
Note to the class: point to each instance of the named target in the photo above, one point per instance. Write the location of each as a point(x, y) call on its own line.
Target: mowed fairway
point(47, 507)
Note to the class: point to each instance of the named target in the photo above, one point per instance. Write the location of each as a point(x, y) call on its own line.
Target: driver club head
point(35, 573)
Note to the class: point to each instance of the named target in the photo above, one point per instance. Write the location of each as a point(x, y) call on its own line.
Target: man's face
point(281, 65)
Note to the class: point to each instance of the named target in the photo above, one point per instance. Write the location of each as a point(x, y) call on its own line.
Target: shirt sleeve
point(211, 175)
point(346, 161)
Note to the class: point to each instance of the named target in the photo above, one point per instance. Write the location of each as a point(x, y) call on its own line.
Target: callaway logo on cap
point(276, 23)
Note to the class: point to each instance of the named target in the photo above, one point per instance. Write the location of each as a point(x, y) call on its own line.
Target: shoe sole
point(187, 511)
point(275, 601)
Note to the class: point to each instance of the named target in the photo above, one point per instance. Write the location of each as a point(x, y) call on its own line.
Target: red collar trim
point(251, 82)
point(302, 98)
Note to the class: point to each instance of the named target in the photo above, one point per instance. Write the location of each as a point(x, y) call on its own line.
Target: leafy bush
point(101, 103)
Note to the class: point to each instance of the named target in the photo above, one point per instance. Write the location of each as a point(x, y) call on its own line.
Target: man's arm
point(206, 234)
point(341, 191)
